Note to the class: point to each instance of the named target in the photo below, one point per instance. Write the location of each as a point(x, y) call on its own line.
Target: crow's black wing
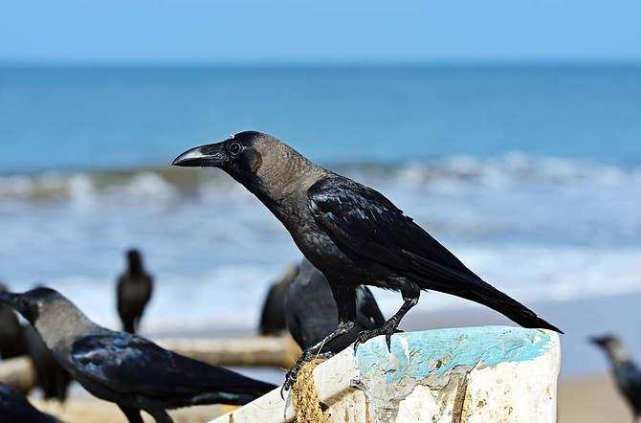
point(311, 309)
point(131, 364)
point(367, 226)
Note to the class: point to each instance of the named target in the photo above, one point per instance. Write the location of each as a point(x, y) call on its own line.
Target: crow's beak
point(211, 155)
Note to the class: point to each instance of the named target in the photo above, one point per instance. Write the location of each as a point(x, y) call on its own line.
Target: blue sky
point(304, 30)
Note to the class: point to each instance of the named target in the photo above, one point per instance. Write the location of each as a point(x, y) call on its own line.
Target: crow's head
point(606, 341)
point(134, 260)
point(259, 161)
point(31, 304)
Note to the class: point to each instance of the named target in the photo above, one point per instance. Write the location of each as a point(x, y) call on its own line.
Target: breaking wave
point(166, 184)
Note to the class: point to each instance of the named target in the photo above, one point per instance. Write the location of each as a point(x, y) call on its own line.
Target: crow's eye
point(235, 149)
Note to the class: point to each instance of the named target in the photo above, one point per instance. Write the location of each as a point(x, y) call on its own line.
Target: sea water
point(530, 174)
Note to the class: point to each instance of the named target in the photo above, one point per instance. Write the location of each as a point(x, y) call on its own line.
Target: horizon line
point(323, 62)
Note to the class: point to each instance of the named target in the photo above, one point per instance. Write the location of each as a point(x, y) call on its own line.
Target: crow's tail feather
point(473, 288)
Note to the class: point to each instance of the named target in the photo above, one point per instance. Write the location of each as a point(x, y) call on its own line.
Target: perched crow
point(272, 318)
point(626, 374)
point(127, 369)
point(312, 313)
point(50, 376)
point(11, 339)
point(135, 287)
point(350, 232)
point(14, 408)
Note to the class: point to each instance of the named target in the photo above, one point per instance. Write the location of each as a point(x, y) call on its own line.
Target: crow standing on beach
point(350, 232)
point(272, 317)
point(127, 369)
point(626, 373)
point(11, 339)
point(50, 376)
point(134, 291)
point(312, 313)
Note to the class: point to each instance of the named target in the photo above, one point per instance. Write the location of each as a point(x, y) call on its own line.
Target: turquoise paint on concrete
point(417, 355)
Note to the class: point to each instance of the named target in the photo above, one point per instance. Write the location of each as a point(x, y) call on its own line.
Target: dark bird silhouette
point(625, 372)
point(272, 318)
point(11, 339)
point(312, 313)
point(134, 290)
point(127, 369)
point(14, 408)
point(350, 232)
point(50, 376)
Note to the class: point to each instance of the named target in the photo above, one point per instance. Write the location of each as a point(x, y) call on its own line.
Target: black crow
point(626, 373)
point(127, 369)
point(50, 376)
point(272, 317)
point(312, 313)
point(350, 232)
point(134, 290)
point(11, 336)
point(14, 408)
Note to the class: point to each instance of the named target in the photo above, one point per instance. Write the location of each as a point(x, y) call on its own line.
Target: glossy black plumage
point(14, 408)
point(134, 290)
point(130, 364)
point(272, 317)
point(374, 233)
point(127, 369)
point(11, 337)
point(351, 233)
point(312, 313)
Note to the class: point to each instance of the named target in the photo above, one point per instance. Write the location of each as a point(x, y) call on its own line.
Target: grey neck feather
point(284, 174)
point(61, 322)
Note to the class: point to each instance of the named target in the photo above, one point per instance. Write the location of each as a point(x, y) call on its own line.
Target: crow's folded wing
point(131, 364)
point(367, 225)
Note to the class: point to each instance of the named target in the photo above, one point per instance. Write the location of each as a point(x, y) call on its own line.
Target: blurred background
point(510, 130)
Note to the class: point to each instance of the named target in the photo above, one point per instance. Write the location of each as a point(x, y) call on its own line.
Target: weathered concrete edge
point(338, 375)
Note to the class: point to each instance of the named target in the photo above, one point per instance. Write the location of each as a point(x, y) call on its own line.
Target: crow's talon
point(292, 374)
point(388, 329)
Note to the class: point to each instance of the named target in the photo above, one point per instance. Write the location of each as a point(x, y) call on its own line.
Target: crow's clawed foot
point(292, 374)
point(388, 329)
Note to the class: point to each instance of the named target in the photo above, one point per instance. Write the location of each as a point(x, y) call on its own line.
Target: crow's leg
point(345, 297)
point(313, 352)
point(133, 414)
point(128, 325)
point(160, 416)
point(411, 294)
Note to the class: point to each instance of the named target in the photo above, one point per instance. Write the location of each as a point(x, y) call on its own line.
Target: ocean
point(530, 174)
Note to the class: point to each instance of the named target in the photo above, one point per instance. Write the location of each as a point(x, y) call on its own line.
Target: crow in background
point(11, 339)
point(127, 369)
point(626, 373)
point(312, 313)
point(50, 376)
point(134, 290)
point(272, 318)
point(350, 232)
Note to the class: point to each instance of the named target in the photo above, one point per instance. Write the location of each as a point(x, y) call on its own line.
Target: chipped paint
point(437, 352)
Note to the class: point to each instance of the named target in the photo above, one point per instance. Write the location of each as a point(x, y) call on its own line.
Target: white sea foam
point(542, 229)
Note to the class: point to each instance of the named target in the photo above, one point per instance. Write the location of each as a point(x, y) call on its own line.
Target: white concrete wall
point(473, 375)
